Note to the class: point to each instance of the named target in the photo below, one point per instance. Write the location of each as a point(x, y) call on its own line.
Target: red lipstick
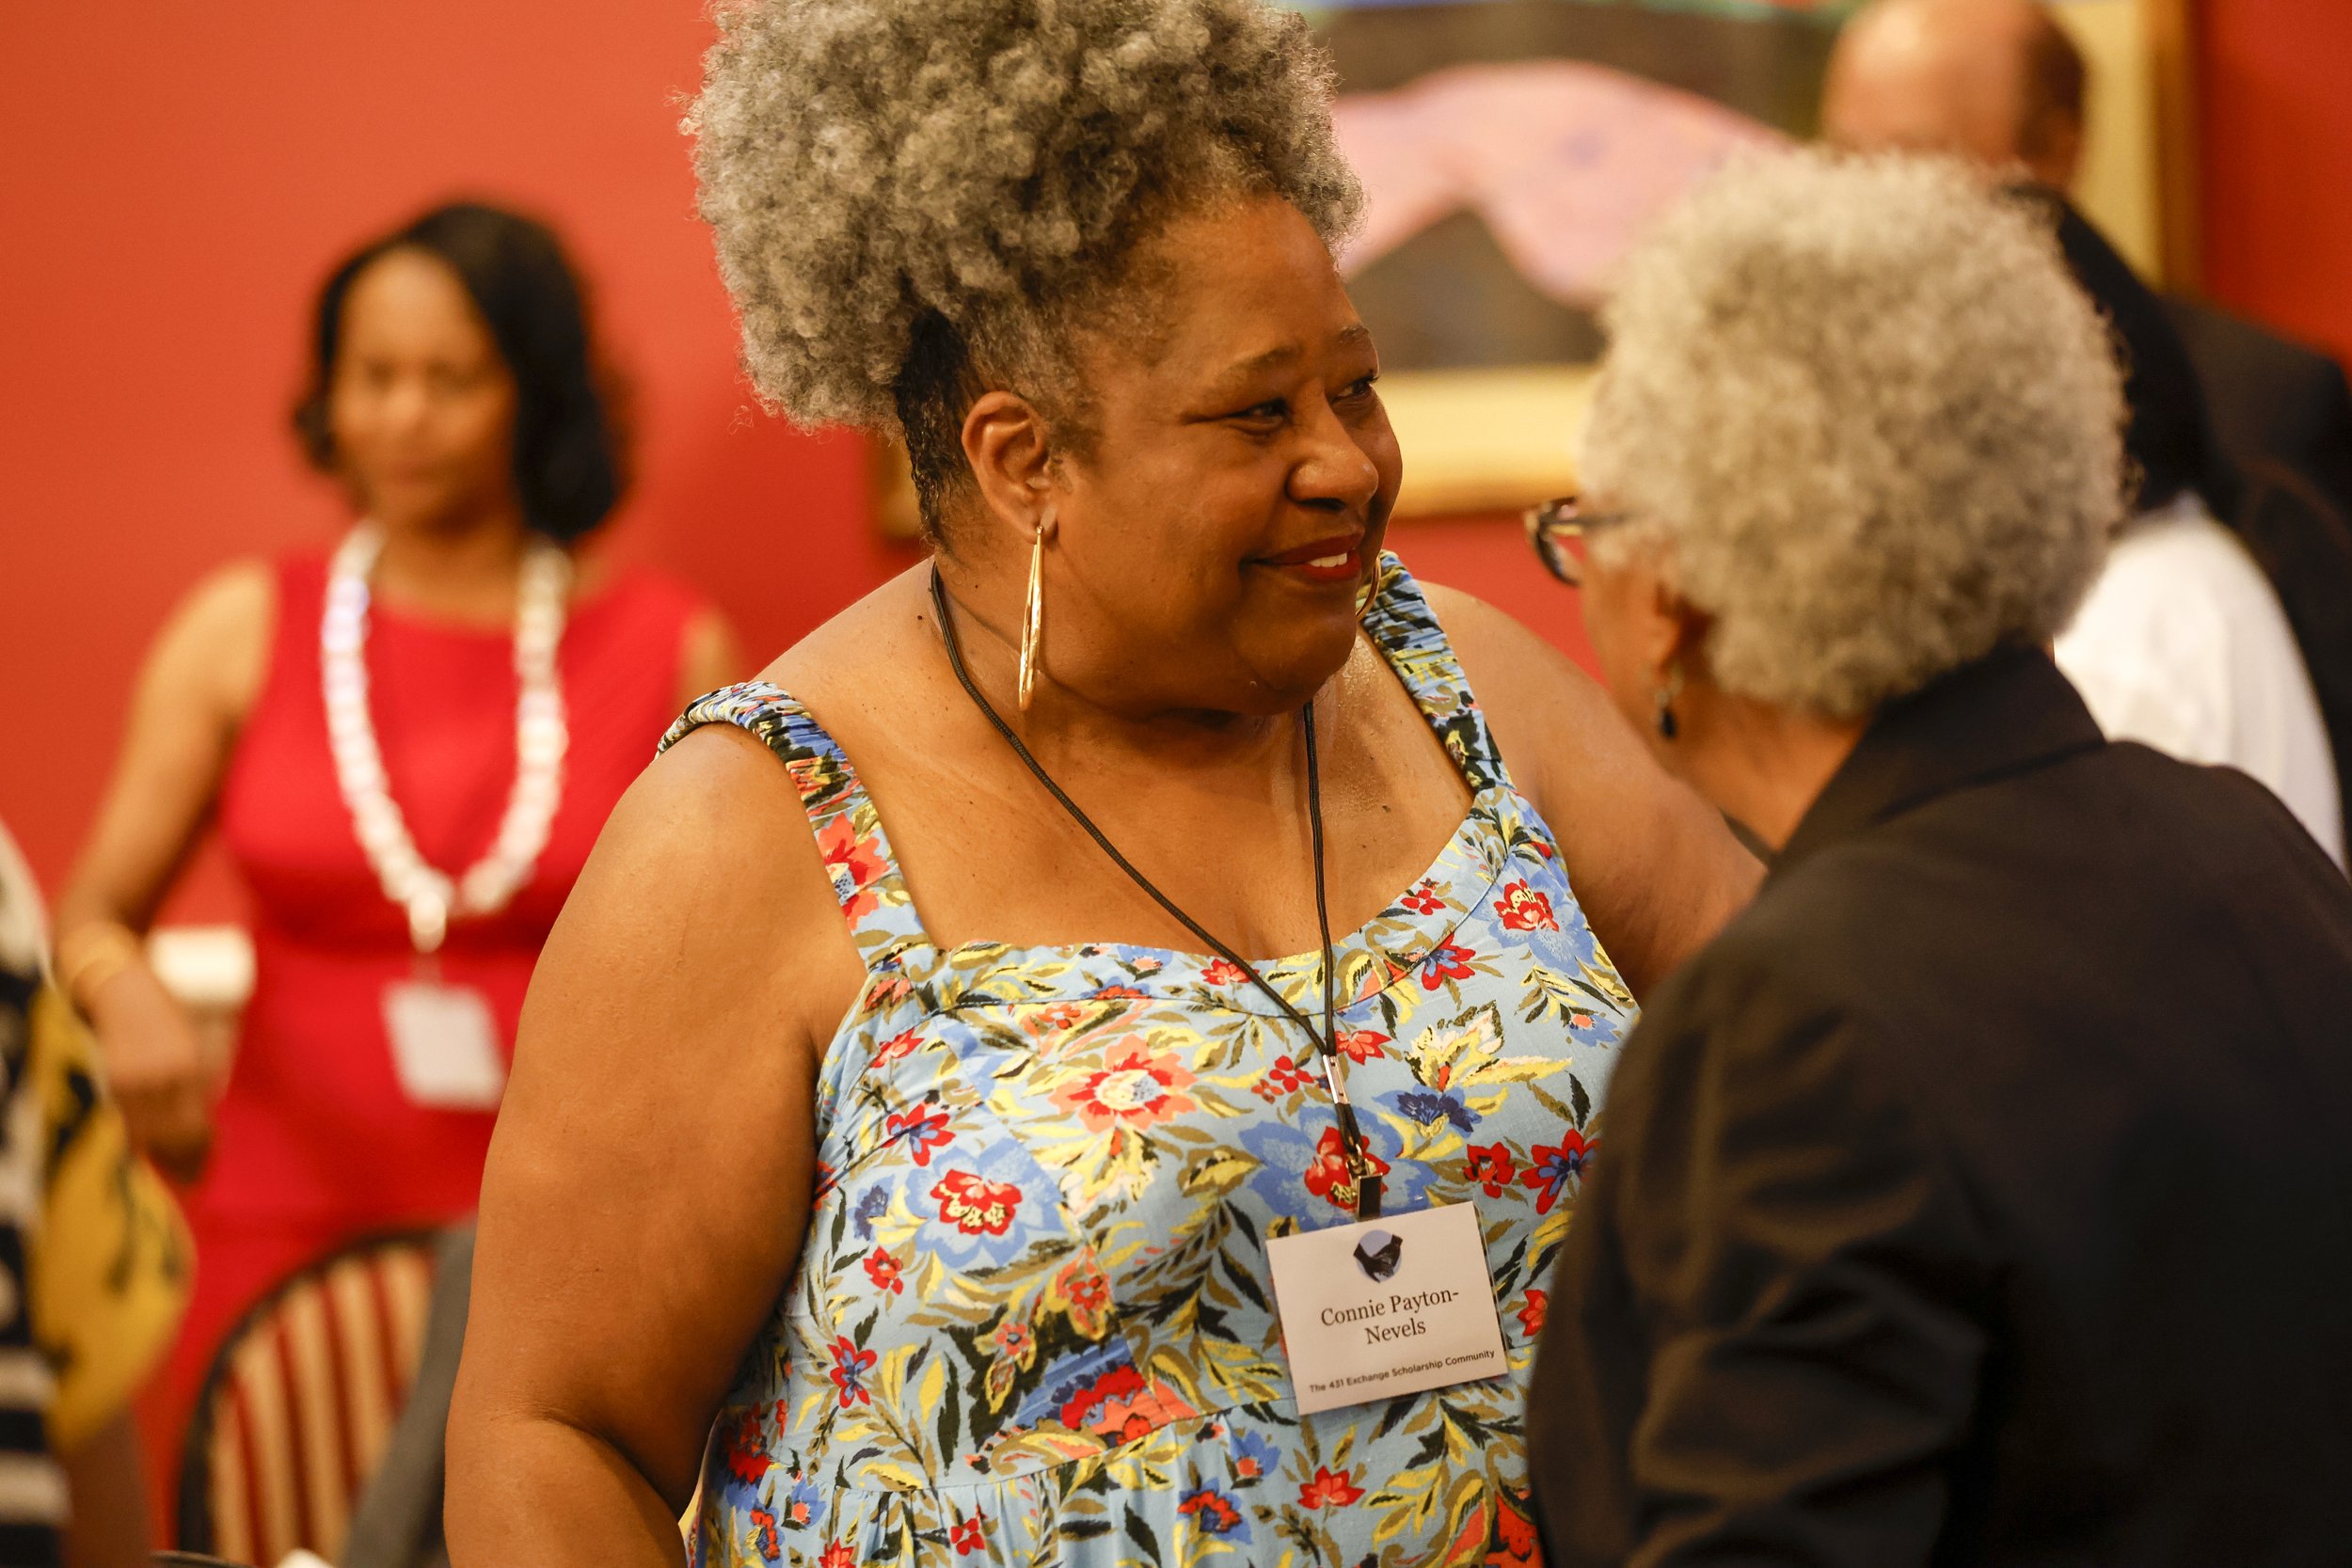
point(1335, 559)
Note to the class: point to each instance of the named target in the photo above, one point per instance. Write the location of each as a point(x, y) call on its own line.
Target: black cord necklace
point(1326, 1043)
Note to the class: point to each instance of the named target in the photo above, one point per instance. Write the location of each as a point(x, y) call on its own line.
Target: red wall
point(176, 176)
point(2277, 78)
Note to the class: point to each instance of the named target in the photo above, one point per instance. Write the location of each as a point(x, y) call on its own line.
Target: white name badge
point(445, 1045)
point(1386, 1307)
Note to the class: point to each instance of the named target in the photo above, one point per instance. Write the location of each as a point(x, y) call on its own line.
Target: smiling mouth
point(1325, 560)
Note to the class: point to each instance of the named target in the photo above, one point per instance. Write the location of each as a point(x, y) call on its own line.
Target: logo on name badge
point(1378, 1254)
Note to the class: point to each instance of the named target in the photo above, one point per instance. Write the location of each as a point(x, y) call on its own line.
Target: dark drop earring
point(1668, 690)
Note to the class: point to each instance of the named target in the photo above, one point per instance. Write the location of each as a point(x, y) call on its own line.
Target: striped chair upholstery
point(301, 1401)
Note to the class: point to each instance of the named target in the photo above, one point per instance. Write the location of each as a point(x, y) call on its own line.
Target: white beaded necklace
point(430, 895)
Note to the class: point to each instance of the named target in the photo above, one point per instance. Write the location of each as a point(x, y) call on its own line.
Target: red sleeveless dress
point(316, 1142)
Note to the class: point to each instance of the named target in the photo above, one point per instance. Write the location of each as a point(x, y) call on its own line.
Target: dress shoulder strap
point(1403, 627)
point(865, 878)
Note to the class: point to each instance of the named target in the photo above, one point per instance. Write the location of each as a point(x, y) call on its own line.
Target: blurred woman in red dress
point(409, 744)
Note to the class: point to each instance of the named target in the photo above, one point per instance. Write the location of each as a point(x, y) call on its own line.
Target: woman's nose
point(407, 403)
point(1336, 472)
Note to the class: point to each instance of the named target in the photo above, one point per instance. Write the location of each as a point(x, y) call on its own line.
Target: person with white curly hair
point(1160, 884)
point(1983, 1191)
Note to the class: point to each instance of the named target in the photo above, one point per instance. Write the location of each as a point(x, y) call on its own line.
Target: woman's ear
point(1663, 630)
point(1004, 442)
point(1674, 627)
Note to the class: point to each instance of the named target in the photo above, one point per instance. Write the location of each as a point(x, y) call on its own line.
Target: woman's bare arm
point(200, 680)
point(653, 1166)
point(1653, 865)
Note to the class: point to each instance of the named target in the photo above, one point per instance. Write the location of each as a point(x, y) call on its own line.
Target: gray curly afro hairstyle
point(1864, 419)
point(915, 199)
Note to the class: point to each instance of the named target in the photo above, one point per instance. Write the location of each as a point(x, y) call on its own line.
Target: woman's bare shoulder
point(217, 640)
point(718, 809)
point(707, 874)
point(240, 592)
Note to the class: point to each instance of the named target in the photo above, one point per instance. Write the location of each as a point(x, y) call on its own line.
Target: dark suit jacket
point(1983, 1194)
point(2271, 403)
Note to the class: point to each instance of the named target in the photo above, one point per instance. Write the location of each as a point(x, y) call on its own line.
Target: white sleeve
point(2154, 666)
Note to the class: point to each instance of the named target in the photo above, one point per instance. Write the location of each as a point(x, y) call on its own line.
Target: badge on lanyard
point(445, 1045)
point(1386, 1307)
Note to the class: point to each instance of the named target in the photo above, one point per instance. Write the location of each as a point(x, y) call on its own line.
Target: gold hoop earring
point(1033, 614)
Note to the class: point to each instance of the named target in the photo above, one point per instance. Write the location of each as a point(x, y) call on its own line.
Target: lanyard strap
point(1334, 1075)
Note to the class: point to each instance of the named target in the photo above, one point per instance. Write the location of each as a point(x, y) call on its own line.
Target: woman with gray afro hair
point(1145, 899)
point(1884, 1254)
point(895, 218)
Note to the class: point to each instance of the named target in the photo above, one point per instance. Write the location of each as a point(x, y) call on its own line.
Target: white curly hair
point(1863, 418)
point(915, 198)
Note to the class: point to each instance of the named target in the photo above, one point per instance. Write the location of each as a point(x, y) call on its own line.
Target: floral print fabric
point(1032, 1321)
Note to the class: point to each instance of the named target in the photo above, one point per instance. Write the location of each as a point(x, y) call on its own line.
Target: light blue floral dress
point(1032, 1321)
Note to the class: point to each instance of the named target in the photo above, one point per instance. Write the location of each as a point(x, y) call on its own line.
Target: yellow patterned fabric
point(111, 1269)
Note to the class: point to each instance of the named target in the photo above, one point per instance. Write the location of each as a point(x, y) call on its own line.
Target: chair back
point(301, 1401)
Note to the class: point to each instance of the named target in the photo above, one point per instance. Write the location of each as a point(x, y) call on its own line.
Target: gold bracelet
point(94, 954)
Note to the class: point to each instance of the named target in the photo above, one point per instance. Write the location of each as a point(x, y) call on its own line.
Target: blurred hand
point(157, 1070)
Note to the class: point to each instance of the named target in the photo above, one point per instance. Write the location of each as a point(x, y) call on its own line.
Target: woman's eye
point(1274, 408)
point(1360, 388)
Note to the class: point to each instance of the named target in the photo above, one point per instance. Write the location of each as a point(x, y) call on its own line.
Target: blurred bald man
point(2213, 647)
point(1997, 81)
point(2000, 82)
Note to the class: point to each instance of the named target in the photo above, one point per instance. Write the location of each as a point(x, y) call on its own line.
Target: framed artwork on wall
point(1514, 149)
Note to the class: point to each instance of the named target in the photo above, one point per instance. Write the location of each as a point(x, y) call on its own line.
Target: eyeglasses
point(1553, 525)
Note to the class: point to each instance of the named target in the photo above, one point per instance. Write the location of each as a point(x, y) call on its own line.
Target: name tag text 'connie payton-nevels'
point(1400, 1312)
point(1386, 1307)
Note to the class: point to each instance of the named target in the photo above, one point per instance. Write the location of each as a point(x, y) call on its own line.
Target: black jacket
point(2272, 403)
point(1983, 1194)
